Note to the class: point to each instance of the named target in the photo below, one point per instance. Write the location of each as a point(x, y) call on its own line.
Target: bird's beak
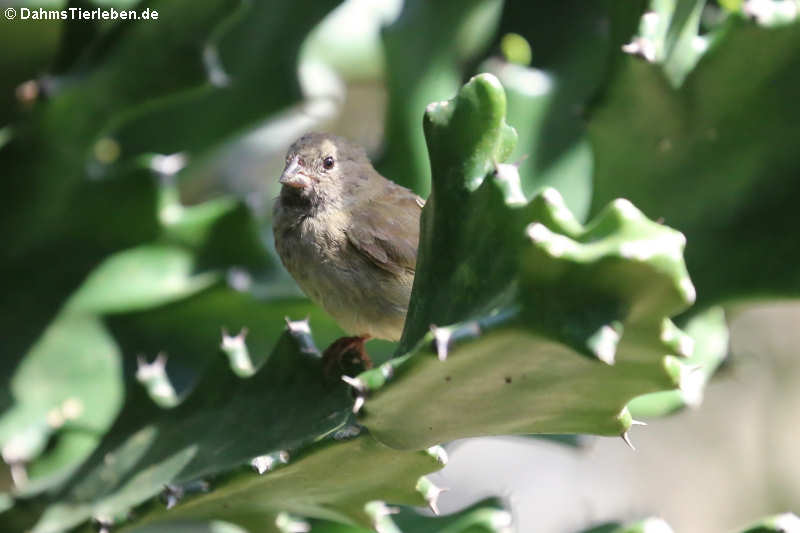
point(292, 177)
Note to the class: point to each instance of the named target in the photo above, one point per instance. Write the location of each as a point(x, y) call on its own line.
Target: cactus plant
point(538, 255)
point(708, 159)
point(536, 286)
point(422, 77)
point(171, 449)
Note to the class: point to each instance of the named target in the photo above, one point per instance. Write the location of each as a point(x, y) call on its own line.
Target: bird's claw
point(346, 355)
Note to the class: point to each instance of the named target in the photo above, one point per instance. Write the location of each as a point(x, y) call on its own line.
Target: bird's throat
point(298, 199)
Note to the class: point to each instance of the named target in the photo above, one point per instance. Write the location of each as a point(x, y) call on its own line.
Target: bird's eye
point(327, 163)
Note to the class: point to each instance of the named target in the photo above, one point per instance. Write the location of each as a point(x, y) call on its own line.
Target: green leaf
point(190, 331)
point(133, 58)
point(241, 88)
point(149, 447)
point(481, 138)
point(80, 203)
point(80, 399)
point(569, 320)
point(331, 480)
point(471, 135)
point(708, 333)
point(140, 278)
point(553, 150)
point(209, 235)
point(574, 46)
point(426, 49)
point(36, 283)
point(75, 210)
point(713, 158)
point(222, 232)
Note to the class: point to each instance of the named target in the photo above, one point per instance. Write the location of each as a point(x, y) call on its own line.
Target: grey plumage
point(347, 235)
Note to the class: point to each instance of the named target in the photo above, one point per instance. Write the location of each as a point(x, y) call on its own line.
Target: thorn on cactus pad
point(359, 404)
point(380, 513)
point(300, 330)
point(298, 326)
point(233, 341)
point(443, 338)
point(441, 341)
point(356, 383)
point(168, 165)
point(433, 503)
point(641, 47)
point(265, 463)
point(102, 524)
point(235, 348)
point(361, 392)
point(627, 440)
point(171, 495)
point(239, 279)
point(438, 453)
point(19, 473)
point(262, 464)
point(387, 371)
point(145, 370)
point(153, 376)
point(431, 493)
point(287, 523)
point(379, 509)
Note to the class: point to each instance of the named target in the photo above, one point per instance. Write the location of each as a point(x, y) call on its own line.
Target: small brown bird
point(349, 238)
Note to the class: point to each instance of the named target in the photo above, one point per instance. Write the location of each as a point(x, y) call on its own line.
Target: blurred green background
point(140, 160)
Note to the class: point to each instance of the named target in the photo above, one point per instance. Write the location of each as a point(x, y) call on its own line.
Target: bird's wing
point(385, 229)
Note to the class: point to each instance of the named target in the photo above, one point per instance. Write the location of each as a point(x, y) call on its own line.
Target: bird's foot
point(346, 355)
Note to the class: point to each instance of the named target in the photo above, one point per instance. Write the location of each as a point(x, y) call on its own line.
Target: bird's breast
point(361, 298)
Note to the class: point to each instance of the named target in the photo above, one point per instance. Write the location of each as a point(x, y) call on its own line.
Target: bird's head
point(323, 168)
